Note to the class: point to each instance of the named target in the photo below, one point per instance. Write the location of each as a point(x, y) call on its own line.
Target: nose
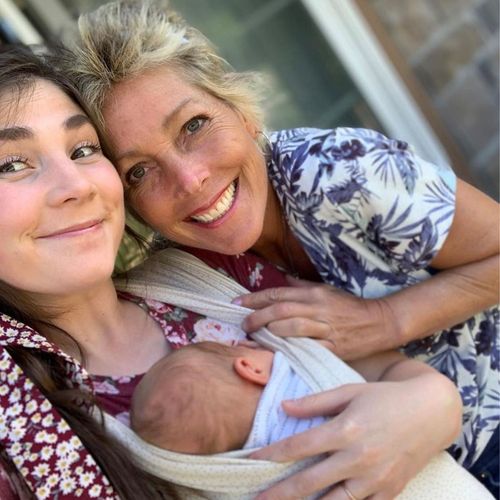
point(69, 182)
point(185, 175)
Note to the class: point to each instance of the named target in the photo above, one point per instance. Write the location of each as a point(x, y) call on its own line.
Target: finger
point(310, 480)
point(347, 490)
point(248, 343)
point(264, 298)
point(301, 327)
point(298, 283)
point(276, 312)
point(326, 403)
point(333, 435)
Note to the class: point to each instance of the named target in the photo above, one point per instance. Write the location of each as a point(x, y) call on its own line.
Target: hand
point(382, 435)
point(355, 327)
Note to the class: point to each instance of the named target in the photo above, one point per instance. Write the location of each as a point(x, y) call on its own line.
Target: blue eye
point(85, 150)
point(194, 124)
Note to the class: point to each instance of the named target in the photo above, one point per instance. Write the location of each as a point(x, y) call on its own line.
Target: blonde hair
point(123, 39)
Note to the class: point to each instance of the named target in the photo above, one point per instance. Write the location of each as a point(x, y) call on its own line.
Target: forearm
point(433, 395)
point(434, 390)
point(448, 298)
point(391, 366)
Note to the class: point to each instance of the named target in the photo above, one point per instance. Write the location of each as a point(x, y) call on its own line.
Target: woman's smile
point(217, 209)
point(89, 227)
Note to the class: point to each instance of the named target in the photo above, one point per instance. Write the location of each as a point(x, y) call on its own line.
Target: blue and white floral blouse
point(371, 215)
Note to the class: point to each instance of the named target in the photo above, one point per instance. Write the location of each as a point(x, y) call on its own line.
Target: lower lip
point(79, 232)
point(220, 220)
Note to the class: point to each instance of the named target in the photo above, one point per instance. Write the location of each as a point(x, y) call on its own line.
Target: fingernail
point(295, 402)
point(237, 301)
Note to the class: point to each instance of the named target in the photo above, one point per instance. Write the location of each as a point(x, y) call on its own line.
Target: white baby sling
point(180, 279)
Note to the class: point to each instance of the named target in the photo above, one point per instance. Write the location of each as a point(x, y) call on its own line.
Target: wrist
point(391, 323)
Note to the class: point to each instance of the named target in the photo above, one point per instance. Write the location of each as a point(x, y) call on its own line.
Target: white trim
point(18, 22)
point(350, 36)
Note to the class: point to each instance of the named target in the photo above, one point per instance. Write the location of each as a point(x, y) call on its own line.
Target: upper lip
point(73, 228)
point(209, 205)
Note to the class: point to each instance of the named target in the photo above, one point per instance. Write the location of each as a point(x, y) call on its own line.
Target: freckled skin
point(176, 148)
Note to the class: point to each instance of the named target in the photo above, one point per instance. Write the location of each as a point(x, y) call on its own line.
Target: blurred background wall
point(426, 71)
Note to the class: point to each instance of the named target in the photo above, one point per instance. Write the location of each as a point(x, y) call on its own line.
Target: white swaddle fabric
point(271, 423)
point(178, 278)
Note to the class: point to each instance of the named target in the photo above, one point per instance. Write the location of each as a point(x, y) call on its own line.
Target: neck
point(105, 327)
point(278, 245)
point(271, 242)
point(90, 317)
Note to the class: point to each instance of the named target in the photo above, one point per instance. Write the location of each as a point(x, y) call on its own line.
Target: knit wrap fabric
point(180, 279)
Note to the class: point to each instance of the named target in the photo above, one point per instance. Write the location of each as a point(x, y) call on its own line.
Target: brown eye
point(85, 150)
point(13, 166)
point(135, 174)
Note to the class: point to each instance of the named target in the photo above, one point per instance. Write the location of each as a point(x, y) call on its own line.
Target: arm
point(469, 281)
point(467, 284)
point(364, 439)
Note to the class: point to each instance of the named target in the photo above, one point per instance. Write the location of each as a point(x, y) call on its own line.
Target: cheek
point(110, 184)
point(255, 172)
point(152, 203)
point(19, 213)
point(111, 192)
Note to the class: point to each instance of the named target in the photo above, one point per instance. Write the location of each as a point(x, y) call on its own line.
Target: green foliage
point(133, 250)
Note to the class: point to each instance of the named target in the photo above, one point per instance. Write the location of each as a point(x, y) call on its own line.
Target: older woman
point(61, 222)
point(347, 209)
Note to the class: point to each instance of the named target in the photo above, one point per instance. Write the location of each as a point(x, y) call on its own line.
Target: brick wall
point(452, 46)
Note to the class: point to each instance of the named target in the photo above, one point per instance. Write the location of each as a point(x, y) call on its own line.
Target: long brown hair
point(20, 68)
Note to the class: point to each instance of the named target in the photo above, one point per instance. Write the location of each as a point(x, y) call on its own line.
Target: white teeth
point(221, 208)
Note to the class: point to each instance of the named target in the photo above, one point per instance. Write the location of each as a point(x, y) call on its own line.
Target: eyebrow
point(24, 133)
point(164, 124)
point(16, 134)
point(76, 121)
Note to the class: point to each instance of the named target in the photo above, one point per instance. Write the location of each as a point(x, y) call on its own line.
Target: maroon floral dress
point(38, 448)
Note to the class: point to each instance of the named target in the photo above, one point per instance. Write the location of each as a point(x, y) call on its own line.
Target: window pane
point(311, 88)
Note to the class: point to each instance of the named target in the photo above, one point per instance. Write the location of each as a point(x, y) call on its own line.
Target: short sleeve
point(408, 208)
point(250, 270)
point(381, 195)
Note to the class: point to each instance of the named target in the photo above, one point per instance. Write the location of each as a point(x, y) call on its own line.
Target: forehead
point(36, 99)
point(163, 82)
point(155, 91)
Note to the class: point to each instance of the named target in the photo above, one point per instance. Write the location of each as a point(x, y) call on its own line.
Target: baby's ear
point(250, 370)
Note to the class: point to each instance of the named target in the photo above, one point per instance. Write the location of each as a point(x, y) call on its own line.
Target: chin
point(233, 247)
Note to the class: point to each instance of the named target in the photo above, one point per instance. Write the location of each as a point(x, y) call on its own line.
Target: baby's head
point(201, 398)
